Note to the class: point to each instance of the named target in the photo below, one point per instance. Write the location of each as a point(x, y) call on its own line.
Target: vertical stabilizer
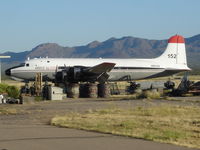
point(175, 52)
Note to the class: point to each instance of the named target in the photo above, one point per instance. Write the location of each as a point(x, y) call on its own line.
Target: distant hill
point(125, 47)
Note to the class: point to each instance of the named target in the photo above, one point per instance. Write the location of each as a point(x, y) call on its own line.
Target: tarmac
point(30, 131)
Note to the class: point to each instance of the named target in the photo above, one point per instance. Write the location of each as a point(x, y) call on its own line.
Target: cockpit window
point(27, 65)
point(22, 64)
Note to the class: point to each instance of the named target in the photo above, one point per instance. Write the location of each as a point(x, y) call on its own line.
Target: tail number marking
point(171, 55)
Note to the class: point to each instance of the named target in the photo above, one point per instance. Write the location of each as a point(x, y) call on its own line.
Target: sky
point(24, 24)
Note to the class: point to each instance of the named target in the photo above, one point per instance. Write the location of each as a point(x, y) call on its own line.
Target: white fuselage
point(134, 68)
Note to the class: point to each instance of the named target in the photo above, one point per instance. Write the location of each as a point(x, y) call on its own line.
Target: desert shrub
point(149, 95)
point(38, 98)
point(3, 88)
point(13, 91)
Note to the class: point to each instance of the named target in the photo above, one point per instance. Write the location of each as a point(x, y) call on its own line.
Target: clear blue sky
point(25, 24)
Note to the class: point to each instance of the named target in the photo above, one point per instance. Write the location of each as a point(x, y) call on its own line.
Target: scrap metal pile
point(185, 87)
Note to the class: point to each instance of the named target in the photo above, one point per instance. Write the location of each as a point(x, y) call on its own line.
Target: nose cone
point(8, 72)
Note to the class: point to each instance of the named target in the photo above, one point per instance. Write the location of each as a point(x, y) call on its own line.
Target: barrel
point(92, 90)
point(104, 90)
point(73, 90)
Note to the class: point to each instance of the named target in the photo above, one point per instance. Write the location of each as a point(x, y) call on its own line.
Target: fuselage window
point(61, 67)
point(27, 65)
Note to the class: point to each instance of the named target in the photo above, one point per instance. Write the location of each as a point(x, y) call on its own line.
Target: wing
point(101, 71)
point(101, 68)
point(85, 74)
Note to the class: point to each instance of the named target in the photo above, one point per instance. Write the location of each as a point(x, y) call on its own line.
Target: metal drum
point(73, 90)
point(92, 90)
point(104, 90)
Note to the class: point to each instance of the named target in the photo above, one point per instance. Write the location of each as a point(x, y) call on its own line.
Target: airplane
point(172, 61)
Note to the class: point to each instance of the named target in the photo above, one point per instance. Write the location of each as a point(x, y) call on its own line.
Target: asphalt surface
point(29, 130)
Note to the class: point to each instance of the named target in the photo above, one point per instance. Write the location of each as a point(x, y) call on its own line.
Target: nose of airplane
point(8, 72)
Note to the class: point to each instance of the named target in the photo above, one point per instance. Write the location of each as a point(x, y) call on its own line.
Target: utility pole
point(0, 64)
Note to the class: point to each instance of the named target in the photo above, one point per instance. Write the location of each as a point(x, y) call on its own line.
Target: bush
point(150, 95)
point(3, 88)
point(38, 98)
point(13, 91)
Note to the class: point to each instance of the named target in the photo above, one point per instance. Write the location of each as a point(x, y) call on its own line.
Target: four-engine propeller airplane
point(172, 61)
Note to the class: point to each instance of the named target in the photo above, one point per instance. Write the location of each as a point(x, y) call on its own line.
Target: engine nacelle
point(74, 74)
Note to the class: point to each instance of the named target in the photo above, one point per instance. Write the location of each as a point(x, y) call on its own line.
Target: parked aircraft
point(172, 61)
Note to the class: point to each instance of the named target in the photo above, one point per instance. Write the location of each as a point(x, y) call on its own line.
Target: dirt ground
point(42, 112)
point(30, 129)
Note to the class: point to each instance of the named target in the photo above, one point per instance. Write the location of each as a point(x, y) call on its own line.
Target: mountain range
point(125, 47)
